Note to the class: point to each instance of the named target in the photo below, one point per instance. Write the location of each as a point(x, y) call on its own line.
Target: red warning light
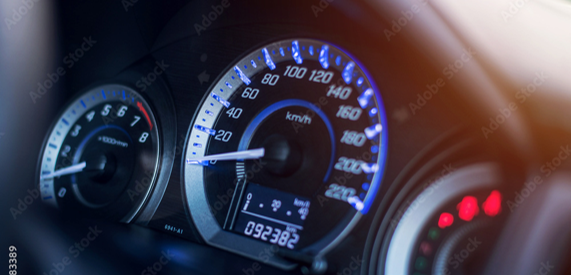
point(468, 208)
point(493, 204)
point(445, 220)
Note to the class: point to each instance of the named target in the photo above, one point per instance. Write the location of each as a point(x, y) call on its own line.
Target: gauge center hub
point(283, 156)
point(298, 138)
point(110, 158)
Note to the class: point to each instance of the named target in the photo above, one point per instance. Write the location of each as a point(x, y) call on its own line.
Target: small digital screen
point(272, 216)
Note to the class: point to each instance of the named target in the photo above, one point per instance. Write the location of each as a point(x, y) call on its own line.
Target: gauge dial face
point(307, 125)
point(101, 155)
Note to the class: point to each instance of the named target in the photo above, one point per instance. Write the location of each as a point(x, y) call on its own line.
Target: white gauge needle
point(246, 154)
point(64, 171)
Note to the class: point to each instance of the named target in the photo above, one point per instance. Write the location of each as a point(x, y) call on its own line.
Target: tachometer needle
point(65, 171)
point(240, 155)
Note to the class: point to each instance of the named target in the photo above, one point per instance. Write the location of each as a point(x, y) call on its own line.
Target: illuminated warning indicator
point(493, 204)
point(445, 220)
point(468, 208)
point(425, 248)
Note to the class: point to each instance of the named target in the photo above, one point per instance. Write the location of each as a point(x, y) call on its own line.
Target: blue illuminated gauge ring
point(328, 97)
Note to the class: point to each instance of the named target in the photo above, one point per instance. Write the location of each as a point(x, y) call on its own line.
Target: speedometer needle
point(65, 171)
point(246, 154)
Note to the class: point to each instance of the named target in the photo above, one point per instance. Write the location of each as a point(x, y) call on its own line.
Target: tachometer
point(286, 150)
point(101, 155)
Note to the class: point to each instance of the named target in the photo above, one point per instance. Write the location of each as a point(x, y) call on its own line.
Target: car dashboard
point(270, 137)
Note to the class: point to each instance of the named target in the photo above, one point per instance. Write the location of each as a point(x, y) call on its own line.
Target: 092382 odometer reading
point(299, 122)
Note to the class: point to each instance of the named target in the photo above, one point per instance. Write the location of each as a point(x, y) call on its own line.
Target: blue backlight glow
point(365, 97)
point(323, 57)
point(242, 76)
point(268, 59)
point(348, 72)
point(222, 101)
point(296, 54)
point(205, 129)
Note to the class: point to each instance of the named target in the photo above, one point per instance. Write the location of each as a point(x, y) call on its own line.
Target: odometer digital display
point(297, 119)
point(272, 216)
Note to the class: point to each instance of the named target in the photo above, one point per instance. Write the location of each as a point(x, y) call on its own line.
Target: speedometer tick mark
point(268, 59)
point(221, 100)
point(365, 97)
point(296, 54)
point(323, 59)
point(370, 168)
point(242, 76)
point(373, 112)
point(348, 72)
point(205, 129)
point(360, 81)
point(372, 131)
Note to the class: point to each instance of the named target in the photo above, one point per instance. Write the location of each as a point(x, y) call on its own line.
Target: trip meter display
point(297, 123)
point(272, 216)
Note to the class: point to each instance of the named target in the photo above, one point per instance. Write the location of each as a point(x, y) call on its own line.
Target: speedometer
point(287, 150)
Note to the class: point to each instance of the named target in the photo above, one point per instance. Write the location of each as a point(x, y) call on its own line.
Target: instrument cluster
point(287, 131)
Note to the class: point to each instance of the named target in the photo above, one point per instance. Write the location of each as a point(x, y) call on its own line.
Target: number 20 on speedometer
point(287, 149)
